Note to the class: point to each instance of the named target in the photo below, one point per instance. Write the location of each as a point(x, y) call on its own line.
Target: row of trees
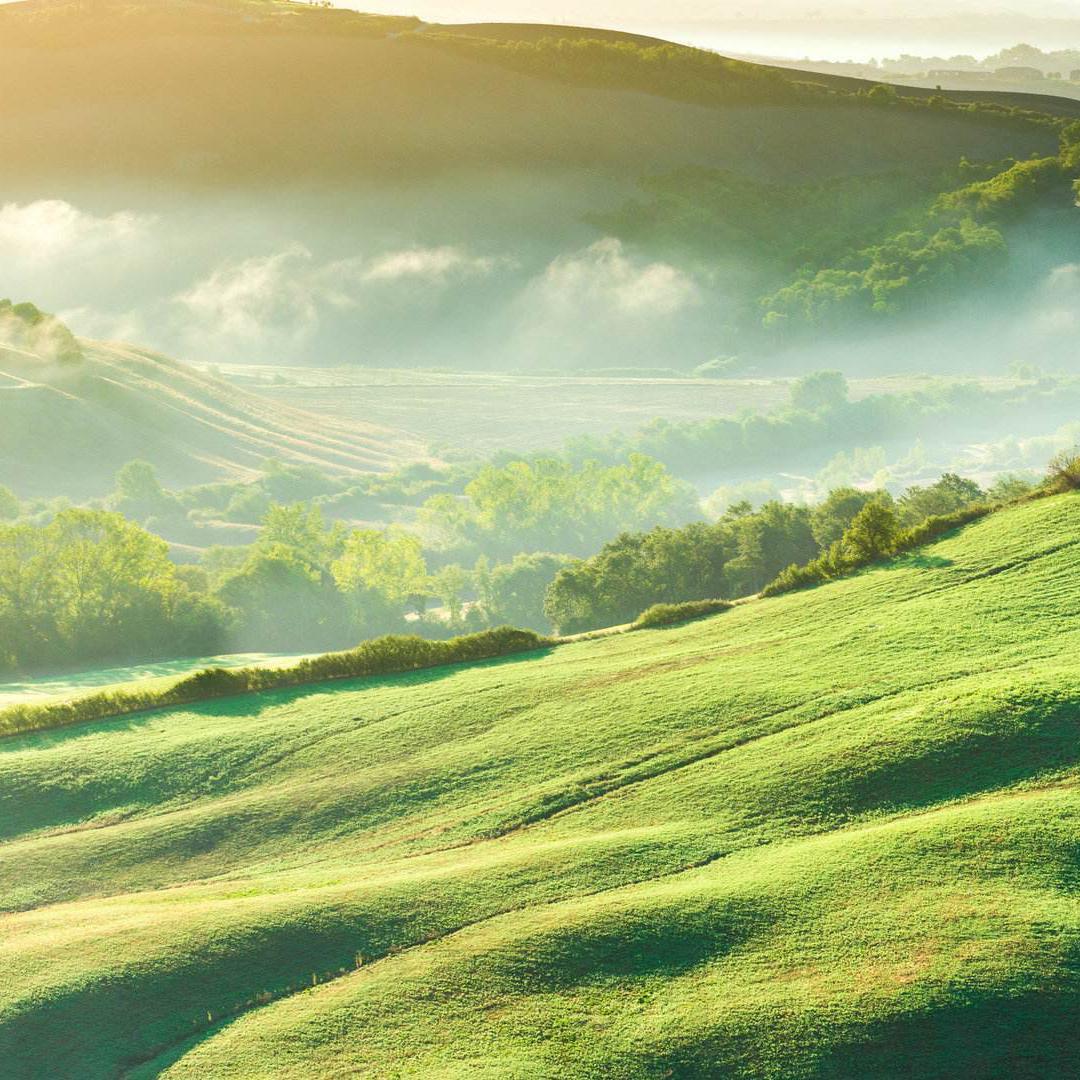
point(90, 586)
point(672, 71)
point(820, 418)
point(956, 244)
point(553, 504)
point(743, 552)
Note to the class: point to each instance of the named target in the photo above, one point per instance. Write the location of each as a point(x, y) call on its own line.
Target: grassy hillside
point(162, 90)
point(828, 835)
point(68, 426)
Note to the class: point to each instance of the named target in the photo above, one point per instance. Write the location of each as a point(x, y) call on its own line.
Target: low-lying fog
point(491, 276)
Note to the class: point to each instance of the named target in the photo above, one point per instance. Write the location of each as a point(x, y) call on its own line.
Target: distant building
point(1074, 75)
point(1020, 74)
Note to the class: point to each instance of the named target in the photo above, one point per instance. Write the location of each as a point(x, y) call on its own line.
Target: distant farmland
point(484, 412)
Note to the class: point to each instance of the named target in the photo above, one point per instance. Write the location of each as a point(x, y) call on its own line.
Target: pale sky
point(608, 11)
point(825, 30)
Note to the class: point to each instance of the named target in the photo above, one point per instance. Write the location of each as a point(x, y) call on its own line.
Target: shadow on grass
point(918, 561)
point(1029, 1036)
point(978, 1034)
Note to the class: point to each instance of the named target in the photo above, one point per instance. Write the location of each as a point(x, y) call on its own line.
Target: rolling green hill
point(69, 426)
point(833, 834)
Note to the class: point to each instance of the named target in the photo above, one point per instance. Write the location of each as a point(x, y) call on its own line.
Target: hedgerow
point(670, 614)
point(391, 655)
point(838, 562)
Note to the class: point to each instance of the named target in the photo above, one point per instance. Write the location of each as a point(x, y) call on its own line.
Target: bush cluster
point(844, 557)
point(391, 655)
point(671, 614)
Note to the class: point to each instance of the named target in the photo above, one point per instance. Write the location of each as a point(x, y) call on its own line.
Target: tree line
point(88, 587)
point(746, 551)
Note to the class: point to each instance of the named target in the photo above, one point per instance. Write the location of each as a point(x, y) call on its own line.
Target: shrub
point(940, 524)
point(795, 578)
point(382, 656)
point(1064, 470)
point(672, 614)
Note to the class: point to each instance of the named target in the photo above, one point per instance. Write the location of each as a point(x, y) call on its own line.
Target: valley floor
point(486, 412)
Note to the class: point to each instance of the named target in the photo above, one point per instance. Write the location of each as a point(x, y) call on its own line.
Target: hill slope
point(67, 427)
point(489, 196)
point(829, 835)
point(163, 90)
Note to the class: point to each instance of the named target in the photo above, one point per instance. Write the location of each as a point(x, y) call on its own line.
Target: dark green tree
point(872, 535)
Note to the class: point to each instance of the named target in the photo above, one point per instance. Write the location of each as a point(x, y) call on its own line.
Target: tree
point(301, 526)
point(10, 508)
point(92, 587)
point(949, 494)
point(635, 571)
point(1010, 487)
point(389, 562)
point(832, 518)
point(1064, 470)
point(549, 503)
point(513, 593)
point(882, 93)
point(872, 535)
point(138, 493)
point(449, 584)
point(821, 390)
point(282, 602)
point(768, 541)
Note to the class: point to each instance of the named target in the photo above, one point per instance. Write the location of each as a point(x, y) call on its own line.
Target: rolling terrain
point(369, 100)
point(828, 835)
point(511, 198)
point(68, 427)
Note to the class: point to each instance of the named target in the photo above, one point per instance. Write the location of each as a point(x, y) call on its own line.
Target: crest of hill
point(191, 94)
point(822, 836)
point(70, 422)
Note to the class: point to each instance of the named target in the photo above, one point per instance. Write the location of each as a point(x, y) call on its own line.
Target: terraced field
point(834, 834)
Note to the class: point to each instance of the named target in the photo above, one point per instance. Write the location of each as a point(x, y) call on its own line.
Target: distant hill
point(827, 836)
point(499, 196)
point(194, 94)
point(68, 425)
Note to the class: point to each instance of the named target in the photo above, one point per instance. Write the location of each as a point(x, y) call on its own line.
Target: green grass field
point(834, 834)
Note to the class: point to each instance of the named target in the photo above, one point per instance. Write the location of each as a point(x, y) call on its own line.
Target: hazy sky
point(829, 30)
point(577, 11)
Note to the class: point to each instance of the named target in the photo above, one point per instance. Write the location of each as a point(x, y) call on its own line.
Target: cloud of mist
point(197, 286)
point(605, 280)
point(41, 231)
point(428, 264)
point(260, 298)
point(1056, 310)
point(386, 285)
point(283, 300)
